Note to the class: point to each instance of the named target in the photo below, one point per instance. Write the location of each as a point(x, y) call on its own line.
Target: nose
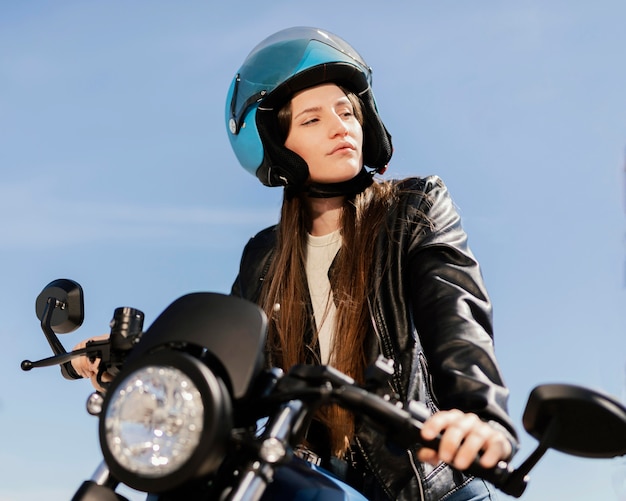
point(338, 126)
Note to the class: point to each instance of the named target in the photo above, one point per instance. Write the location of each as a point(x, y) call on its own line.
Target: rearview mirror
point(576, 420)
point(69, 314)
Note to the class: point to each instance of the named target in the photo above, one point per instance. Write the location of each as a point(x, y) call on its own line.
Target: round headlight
point(154, 421)
point(166, 419)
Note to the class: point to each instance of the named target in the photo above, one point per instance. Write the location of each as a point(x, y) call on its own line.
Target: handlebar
point(126, 329)
point(401, 422)
point(403, 425)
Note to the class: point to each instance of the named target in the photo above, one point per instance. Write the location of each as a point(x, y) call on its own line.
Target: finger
point(427, 455)
point(85, 367)
point(473, 442)
point(94, 365)
point(458, 427)
point(496, 449)
point(96, 384)
point(81, 366)
point(435, 424)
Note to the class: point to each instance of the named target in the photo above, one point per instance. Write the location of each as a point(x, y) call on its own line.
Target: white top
point(320, 254)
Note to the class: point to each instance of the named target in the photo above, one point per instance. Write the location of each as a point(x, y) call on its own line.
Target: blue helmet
point(281, 65)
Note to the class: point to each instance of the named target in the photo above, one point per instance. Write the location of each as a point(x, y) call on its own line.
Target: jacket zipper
point(386, 349)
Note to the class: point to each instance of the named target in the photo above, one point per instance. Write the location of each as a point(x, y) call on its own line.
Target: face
point(325, 132)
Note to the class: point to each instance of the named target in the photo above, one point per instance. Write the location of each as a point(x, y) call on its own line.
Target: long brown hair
point(285, 297)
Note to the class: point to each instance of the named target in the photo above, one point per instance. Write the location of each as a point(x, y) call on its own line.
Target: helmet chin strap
point(345, 188)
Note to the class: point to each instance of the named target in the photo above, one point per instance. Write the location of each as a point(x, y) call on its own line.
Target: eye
point(345, 112)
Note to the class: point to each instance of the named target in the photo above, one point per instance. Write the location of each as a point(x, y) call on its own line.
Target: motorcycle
point(193, 413)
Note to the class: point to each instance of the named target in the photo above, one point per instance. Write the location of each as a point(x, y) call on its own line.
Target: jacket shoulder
point(254, 263)
point(264, 238)
point(421, 198)
point(420, 185)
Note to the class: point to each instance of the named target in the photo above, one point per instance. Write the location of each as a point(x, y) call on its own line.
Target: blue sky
point(117, 173)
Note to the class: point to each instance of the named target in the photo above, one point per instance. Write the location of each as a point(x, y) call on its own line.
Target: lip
point(344, 145)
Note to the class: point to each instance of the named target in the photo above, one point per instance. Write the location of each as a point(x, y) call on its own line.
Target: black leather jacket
point(431, 314)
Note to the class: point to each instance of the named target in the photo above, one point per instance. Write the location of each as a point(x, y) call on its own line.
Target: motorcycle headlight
point(165, 419)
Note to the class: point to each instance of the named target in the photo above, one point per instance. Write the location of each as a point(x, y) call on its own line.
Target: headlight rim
point(217, 422)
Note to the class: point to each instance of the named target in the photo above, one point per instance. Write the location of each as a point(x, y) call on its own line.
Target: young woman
point(357, 267)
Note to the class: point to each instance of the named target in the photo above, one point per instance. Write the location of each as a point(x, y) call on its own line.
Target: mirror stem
point(53, 341)
point(520, 475)
point(67, 369)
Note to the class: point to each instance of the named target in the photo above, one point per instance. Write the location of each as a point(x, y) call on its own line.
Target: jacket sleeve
point(452, 312)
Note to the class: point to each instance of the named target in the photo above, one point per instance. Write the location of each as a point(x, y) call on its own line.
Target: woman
point(356, 268)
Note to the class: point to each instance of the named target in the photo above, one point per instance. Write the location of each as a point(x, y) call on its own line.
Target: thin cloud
point(29, 217)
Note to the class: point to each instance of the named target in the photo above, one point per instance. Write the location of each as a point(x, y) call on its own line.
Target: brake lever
point(93, 349)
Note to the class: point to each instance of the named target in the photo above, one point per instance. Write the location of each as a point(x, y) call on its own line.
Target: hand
point(464, 435)
point(88, 368)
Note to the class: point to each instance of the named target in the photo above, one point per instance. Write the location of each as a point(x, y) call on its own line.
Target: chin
point(338, 174)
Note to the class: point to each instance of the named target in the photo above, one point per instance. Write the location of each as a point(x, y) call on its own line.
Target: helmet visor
point(283, 55)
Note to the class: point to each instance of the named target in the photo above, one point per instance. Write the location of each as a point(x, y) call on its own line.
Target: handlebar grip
point(503, 476)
